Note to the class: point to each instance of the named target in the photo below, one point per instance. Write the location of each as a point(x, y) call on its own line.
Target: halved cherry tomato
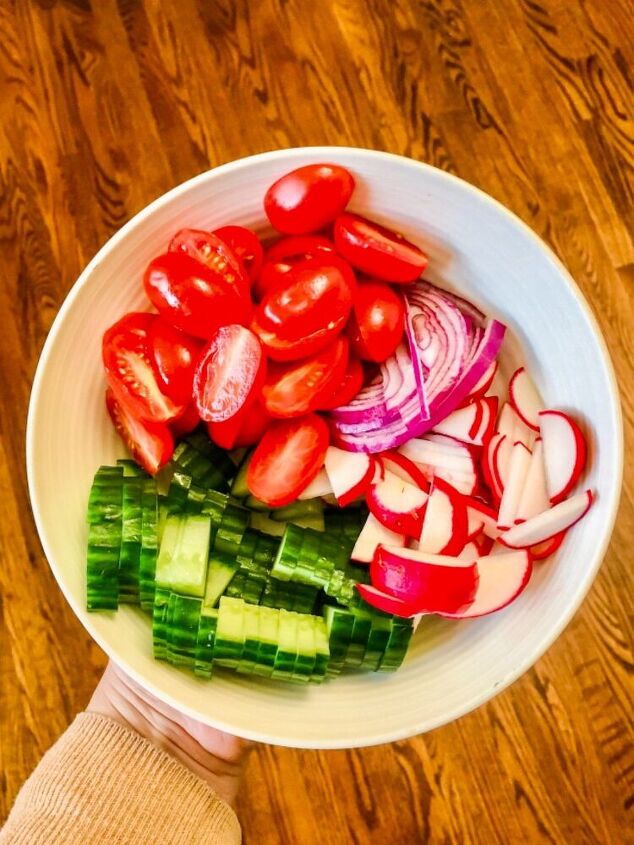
point(150, 444)
point(176, 355)
point(188, 421)
point(286, 253)
point(245, 245)
point(348, 388)
point(308, 198)
point(302, 314)
point(298, 387)
point(243, 429)
point(378, 251)
point(131, 371)
point(212, 251)
point(377, 321)
point(194, 297)
point(229, 374)
point(286, 460)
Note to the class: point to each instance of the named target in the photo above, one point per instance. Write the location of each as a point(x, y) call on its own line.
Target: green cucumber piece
point(288, 553)
point(339, 625)
point(182, 560)
point(287, 645)
point(263, 522)
point(380, 633)
point(205, 640)
point(306, 648)
point(163, 513)
point(251, 639)
point(322, 649)
point(231, 529)
point(183, 615)
point(302, 507)
point(311, 520)
point(130, 554)
point(230, 632)
point(256, 505)
point(131, 469)
point(149, 542)
point(219, 575)
point(159, 623)
point(397, 645)
point(221, 468)
point(104, 515)
point(239, 487)
point(268, 642)
point(358, 641)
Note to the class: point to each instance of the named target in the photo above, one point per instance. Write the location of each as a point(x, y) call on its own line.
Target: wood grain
point(106, 104)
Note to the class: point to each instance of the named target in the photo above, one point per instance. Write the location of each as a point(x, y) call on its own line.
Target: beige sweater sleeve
point(101, 782)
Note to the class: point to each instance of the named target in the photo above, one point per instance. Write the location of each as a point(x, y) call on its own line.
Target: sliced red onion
point(417, 364)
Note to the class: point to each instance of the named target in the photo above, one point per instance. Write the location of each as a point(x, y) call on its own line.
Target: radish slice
point(471, 423)
point(546, 525)
point(524, 398)
point(319, 486)
point(501, 462)
point(384, 601)
point(456, 458)
point(502, 578)
point(519, 465)
point(485, 382)
point(565, 453)
point(398, 505)
point(445, 523)
point(405, 468)
point(479, 512)
point(349, 473)
point(484, 544)
point(548, 547)
point(486, 464)
point(372, 535)
point(511, 424)
point(430, 583)
point(534, 498)
point(470, 552)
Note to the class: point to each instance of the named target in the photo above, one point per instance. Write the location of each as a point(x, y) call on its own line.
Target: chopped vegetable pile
point(324, 448)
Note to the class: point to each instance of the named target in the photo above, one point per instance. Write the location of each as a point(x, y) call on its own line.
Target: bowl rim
point(290, 155)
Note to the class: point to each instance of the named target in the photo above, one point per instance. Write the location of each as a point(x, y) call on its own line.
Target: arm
point(131, 770)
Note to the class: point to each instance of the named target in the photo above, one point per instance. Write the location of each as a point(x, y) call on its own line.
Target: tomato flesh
point(307, 199)
point(245, 245)
point(378, 251)
point(295, 388)
point(150, 444)
point(302, 314)
point(285, 254)
point(376, 322)
point(229, 373)
point(175, 355)
point(287, 458)
point(193, 297)
point(212, 251)
point(131, 371)
point(348, 388)
point(244, 429)
point(188, 421)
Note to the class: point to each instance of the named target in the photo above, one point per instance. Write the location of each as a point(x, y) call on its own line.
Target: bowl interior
point(477, 247)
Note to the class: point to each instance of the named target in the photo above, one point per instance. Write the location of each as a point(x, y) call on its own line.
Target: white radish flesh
point(397, 504)
point(524, 398)
point(519, 465)
point(349, 473)
point(373, 534)
point(534, 498)
point(445, 523)
point(471, 423)
point(546, 525)
point(502, 577)
point(564, 453)
point(319, 486)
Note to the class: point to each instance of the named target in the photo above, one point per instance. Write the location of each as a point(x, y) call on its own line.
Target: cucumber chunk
point(183, 615)
point(149, 542)
point(287, 645)
point(130, 554)
point(182, 560)
point(239, 487)
point(230, 632)
point(205, 640)
point(104, 515)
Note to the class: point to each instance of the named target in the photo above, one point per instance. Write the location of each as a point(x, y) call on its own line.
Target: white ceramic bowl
point(475, 245)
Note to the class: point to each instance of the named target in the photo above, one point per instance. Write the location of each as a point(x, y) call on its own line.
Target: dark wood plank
point(105, 105)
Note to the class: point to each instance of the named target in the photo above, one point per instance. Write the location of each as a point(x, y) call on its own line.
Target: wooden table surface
point(104, 105)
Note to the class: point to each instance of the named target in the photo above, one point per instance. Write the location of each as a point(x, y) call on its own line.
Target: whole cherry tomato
point(215, 253)
point(286, 253)
point(378, 251)
point(131, 371)
point(295, 388)
point(286, 460)
point(150, 444)
point(176, 355)
point(229, 374)
point(303, 313)
point(307, 199)
point(245, 245)
point(193, 296)
point(348, 387)
point(243, 429)
point(377, 321)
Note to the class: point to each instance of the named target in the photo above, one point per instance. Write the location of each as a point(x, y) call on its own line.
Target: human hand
point(216, 757)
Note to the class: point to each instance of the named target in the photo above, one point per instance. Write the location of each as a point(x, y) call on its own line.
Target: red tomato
point(188, 421)
point(176, 356)
point(286, 460)
point(150, 444)
point(131, 371)
point(377, 321)
point(243, 429)
point(286, 253)
point(212, 251)
point(308, 198)
point(245, 245)
point(348, 388)
point(298, 387)
point(229, 374)
point(378, 251)
point(304, 313)
point(192, 296)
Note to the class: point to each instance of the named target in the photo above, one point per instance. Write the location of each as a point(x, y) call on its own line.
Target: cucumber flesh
point(182, 560)
point(230, 632)
point(104, 515)
point(205, 640)
point(130, 554)
point(239, 487)
point(263, 522)
point(149, 543)
point(300, 508)
point(221, 570)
